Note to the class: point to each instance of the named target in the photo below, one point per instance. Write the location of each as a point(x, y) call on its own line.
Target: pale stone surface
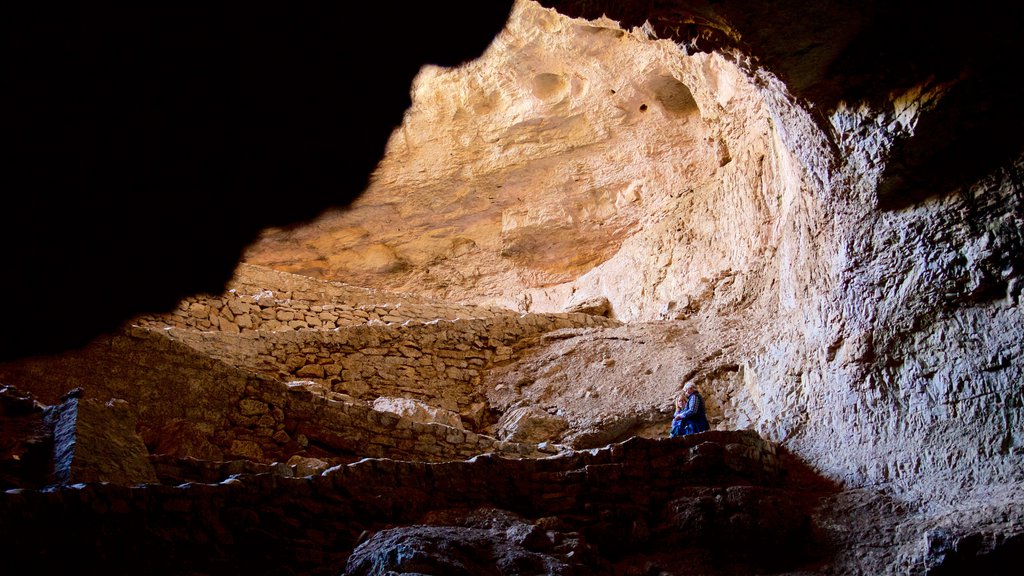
point(743, 235)
point(880, 343)
point(596, 305)
point(307, 466)
point(417, 411)
point(531, 424)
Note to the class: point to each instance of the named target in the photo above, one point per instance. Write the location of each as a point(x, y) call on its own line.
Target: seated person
point(689, 417)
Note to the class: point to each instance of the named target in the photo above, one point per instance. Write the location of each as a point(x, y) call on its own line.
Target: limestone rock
point(307, 466)
point(596, 305)
point(417, 411)
point(484, 542)
point(530, 424)
point(96, 441)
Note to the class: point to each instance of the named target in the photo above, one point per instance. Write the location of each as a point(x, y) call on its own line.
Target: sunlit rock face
point(265, 113)
point(574, 159)
point(871, 325)
point(813, 210)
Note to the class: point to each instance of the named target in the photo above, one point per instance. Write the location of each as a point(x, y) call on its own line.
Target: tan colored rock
point(530, 424)
point(541, 194)
point(181, 439)
point(417, 411)
point(96, 441)
point(596, 305)
point(247, 449)
point(307, 466)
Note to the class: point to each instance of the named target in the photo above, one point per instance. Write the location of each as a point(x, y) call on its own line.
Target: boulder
point(417, 411)
point(529, 424)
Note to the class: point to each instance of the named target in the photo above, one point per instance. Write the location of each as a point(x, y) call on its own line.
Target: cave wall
point(870, 257)
point(901, 364)
point(187, 404)
point(876, 314)
point(890, 356)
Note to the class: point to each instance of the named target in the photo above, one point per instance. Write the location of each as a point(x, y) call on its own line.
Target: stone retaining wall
point(274, 423)
point(439, 362)
point(210, 380)
point(199, 407)
point(273, 524)
point(261, 299)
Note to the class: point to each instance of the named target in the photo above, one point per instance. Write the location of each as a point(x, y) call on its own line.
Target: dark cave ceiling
point(150, 144)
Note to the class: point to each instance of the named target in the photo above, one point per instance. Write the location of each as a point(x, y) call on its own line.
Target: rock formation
point(459, 354)
point(149, 144)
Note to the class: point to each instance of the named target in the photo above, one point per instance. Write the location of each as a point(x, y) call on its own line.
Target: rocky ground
point(603, 491)
point(612, 383)
point(811, 210)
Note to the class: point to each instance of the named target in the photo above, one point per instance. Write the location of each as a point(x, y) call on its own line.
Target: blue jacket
point(691, 418)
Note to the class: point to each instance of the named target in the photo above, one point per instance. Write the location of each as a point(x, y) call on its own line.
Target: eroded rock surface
point(812, 210)
point(572, 513)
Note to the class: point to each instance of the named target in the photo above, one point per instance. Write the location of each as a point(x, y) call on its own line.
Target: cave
point(327, 289)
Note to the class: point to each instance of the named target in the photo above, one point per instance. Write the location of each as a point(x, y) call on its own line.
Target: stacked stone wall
point(195, 406)
point(275, 423)
point(283, 365)
point(437, 362)
point(261, 299)
point(272, 523)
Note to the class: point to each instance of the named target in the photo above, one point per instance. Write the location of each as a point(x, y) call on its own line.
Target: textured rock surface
point(579, 509)
point(827, 299)
point(149, 144)
point(814, 210)
point(96, 441)
point(565, 164)
point(26, 441)
point(482, 542)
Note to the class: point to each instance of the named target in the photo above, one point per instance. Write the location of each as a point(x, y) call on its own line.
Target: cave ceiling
point(829, 53)
point(131, 208)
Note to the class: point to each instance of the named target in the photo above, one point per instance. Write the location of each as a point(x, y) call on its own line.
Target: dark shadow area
point(149, 143)
point(975, 126)
point(949, 556)
point(974, 130)
point(867, 52)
